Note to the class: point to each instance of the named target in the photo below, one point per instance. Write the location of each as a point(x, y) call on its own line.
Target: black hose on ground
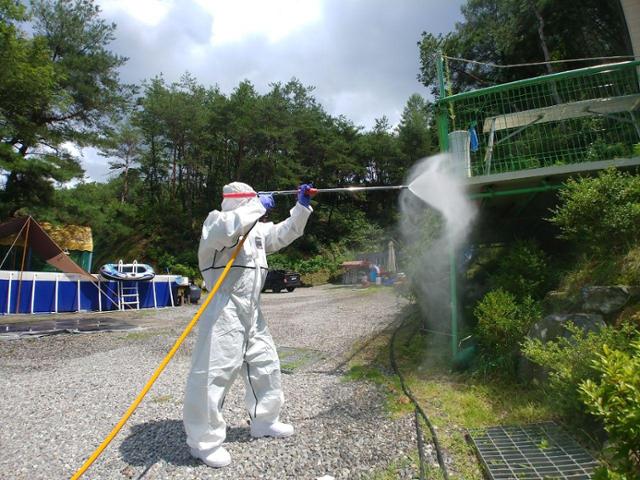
point(419, 410)
point(420, 444)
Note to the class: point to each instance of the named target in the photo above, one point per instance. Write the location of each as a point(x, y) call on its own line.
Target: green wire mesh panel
point(532, 452)
point(577, 116)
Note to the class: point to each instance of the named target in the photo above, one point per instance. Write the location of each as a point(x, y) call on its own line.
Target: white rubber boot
point(275, 429)
point(217, 458)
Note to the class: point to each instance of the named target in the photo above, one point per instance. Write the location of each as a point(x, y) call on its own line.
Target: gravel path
point(62, 394)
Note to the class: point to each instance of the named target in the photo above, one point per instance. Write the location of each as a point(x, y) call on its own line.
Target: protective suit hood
point(233, 203)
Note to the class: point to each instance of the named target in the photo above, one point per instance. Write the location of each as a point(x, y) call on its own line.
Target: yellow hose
point(162, 365)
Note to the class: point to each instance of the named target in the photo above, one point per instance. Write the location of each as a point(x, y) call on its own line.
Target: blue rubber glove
point(304, 198)
point(267, 200)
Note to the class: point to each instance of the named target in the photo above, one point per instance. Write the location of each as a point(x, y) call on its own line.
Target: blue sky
point(360, 55)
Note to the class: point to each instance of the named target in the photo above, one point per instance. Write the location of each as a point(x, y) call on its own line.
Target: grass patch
point(139, 335)
point(454, 402)
point(392, 470)
point(162, 399)
point(292, 359)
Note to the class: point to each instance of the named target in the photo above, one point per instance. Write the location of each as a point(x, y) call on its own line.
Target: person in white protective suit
point(233, 337)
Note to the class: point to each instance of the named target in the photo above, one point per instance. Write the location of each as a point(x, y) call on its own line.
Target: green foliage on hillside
point(503, 322)
point(615, 399)
point(600, 214)
point(569, 359)
point(522, 269)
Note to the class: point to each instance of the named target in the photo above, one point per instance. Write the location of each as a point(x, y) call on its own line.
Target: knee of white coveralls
point(202, 412)
point(213, 371)
point(261, 373)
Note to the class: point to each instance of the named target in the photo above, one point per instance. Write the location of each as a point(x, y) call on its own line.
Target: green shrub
point(326, 263)
point(503, 322)
point(630, 268)
point(568, 362)
point(603, 473)
point(600, 214)
point(521, 270)
point(615, 400)
point(606, 268)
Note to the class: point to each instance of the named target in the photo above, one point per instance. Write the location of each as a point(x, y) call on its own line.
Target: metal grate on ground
point(538, 451)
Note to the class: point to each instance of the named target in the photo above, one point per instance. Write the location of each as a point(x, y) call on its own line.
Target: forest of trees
point(171, 146)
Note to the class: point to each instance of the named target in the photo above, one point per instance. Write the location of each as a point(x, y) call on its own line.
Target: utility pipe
point(514, 191)
point(163, 364)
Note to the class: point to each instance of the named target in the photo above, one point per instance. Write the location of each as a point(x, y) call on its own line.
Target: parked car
point(278, 280)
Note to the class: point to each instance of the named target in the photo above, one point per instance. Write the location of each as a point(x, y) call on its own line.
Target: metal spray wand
point(315, 191)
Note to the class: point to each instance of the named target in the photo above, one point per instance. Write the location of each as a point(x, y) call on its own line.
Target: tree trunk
point(238, 160)
point(545, 51)
point(173, 172)
point(125, 182)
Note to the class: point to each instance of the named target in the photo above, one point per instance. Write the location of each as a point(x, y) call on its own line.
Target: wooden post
point(24, 256)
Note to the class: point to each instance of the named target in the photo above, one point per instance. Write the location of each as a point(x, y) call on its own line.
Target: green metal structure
point(538, 129)
point(577, 116)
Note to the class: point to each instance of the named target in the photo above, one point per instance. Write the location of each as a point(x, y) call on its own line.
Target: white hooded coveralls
point(232, 335)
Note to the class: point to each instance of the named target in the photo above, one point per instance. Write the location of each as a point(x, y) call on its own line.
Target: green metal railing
point(570, 117)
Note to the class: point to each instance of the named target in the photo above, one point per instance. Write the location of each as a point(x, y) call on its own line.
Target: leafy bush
point(615, 399)
point(602, 213)
point(522, 270)
point(568, 362)
point(503, 322)
point(605, 268)
point(630, 268)
point(169, 263)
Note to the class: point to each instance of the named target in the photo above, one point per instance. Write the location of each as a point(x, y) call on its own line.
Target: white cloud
point(234, 21)
point(147, 12)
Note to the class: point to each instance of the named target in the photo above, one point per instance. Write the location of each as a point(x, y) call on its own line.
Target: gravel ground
point(62, 394)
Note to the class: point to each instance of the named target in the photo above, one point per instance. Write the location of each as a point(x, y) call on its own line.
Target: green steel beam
point(453, 288)
point(443, 117)
point(580, 72)
point(443, 136)
point(514, 191)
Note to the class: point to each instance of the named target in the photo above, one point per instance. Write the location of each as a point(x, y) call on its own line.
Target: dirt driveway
point(63, 393)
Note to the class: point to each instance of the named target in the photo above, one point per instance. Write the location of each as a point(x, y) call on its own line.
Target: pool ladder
point(129, 296)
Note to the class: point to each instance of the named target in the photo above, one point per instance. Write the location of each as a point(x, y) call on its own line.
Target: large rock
point(605, 300)
point(554, 325)
point(559, 302)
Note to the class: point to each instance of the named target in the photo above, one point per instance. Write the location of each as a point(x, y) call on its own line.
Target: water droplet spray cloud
point(436, 218)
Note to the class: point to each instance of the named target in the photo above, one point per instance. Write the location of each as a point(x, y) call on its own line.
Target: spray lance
point(312, 192)
point(422, 186)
